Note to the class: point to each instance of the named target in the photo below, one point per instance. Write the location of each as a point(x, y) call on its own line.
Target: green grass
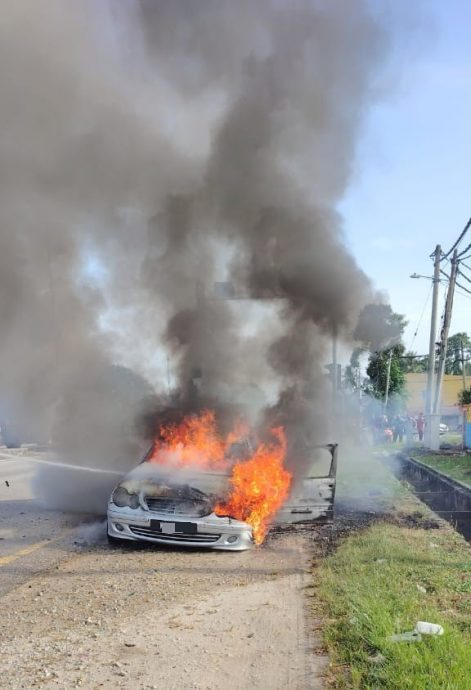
point(369, 587)
point(367, 591)
point(454, 438)
point(456, 466)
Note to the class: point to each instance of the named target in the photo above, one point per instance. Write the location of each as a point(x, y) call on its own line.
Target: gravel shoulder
point(139, 617)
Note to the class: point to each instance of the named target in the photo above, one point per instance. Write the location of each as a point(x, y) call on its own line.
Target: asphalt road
point(33, 538)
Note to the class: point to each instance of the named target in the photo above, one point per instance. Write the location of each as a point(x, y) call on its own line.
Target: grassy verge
point(456, 466)
point(364, 483)
point(452, 438)
point(381, 581)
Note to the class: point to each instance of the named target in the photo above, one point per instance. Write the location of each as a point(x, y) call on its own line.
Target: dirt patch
point(154, 617)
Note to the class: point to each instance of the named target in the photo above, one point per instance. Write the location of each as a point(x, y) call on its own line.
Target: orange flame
point(259, 483)
point(260, 486)
point(195, 441)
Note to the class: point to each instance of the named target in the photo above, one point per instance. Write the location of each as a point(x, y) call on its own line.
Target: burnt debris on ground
point(348, 521)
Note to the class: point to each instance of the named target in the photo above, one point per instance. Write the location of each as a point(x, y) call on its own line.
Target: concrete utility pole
point(431, 349)
point(445, 331)
point(463, 365)
point(388, 380)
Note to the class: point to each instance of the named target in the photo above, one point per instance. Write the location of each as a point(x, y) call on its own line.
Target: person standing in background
point(420, 423)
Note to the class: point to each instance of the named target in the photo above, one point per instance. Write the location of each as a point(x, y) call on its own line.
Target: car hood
point(154, 480)
point(181, 491)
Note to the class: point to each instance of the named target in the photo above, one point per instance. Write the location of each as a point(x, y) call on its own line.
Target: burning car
point(152, 505)
point(197, 487)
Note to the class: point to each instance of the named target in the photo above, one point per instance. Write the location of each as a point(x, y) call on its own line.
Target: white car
point(443, 429)
point(156, 505)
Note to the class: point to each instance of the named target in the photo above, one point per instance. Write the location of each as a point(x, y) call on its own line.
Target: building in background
point(450, 410)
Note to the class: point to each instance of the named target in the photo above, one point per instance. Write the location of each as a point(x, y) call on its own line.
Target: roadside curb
point(447, 497)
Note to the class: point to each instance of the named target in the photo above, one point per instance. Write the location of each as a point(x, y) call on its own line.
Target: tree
point(379, 330)
point(353, 370)
point(464, 397)
point(412, 363)
point(377, 372)
point(381, 324)
point(458, 348)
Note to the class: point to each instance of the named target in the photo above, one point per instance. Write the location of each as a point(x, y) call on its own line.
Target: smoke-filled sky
point(152, 149)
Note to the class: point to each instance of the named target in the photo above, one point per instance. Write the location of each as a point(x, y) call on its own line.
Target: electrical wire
point(421, 317)
point(463, 233)
point(464, 250)
point(411, 356)
point(463, 295)
point(462, 287)
point(464, 276)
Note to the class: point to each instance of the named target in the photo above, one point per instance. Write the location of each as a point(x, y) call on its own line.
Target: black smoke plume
point(158, 158)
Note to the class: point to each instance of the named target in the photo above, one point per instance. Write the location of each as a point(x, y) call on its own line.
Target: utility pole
point(445, 331)
point(431, 349)
point(388, 379)
point(463, 365)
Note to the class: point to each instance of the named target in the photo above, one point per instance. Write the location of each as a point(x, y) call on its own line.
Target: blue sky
point(411, 188)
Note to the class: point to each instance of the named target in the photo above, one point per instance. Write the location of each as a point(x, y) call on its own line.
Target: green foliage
point(458, 348)
point(379, 330)
point(411, 364)
point(377, 372)
point(456, 466)
point(464, 397)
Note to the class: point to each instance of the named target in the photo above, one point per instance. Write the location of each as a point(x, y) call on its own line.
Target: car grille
point(175, 506)
point(196, 538)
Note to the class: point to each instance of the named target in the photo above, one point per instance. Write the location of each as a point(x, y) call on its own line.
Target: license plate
point(173, 527)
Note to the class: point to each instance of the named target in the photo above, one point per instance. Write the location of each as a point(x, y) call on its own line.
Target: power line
point(464, 276)
point(463, 295)
point(465, 250)
point(421, 316)
point(411, 356)
point(465, 230)
point(461, 274)
point(462, 287)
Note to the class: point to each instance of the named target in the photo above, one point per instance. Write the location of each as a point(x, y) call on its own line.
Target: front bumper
point(212, 532)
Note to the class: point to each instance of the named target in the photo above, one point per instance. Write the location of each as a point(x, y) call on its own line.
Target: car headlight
point(123, 499)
